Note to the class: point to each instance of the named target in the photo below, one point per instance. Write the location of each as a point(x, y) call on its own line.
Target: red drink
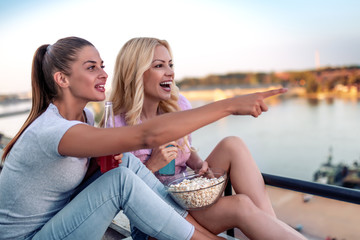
point(107, 163)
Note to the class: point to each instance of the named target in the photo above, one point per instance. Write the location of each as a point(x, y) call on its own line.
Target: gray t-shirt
point(36, 181)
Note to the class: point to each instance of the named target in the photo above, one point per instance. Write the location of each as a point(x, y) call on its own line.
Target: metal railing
point(318, 189)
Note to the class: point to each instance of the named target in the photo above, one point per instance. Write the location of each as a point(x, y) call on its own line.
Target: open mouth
point(166, 85)
point(100, 87)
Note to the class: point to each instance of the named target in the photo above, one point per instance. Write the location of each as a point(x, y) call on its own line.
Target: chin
point(99, 98)
point(166, 97)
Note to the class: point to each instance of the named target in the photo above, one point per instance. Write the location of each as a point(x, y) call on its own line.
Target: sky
point(206, 36)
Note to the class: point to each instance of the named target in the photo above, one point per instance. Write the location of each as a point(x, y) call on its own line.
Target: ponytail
point(43, 85)
point(40, 99)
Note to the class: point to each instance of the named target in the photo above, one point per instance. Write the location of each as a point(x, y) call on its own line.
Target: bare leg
point(239, 211)
point(198, 235)
point(201, 236)
point(232, 155)
point(200, 231)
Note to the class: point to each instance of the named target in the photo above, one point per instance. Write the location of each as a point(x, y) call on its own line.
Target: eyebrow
point(91, 61)
point(161, 60)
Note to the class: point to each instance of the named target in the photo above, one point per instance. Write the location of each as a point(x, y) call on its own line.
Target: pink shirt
point(144, 154)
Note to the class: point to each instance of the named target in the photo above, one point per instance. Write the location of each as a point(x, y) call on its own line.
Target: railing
point(318, 189)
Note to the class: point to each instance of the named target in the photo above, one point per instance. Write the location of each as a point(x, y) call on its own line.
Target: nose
point(169, 71)
point(103, 74)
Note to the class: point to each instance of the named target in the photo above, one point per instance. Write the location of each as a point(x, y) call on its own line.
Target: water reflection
point(317, 101)
point(329, 100)
point(313, 101)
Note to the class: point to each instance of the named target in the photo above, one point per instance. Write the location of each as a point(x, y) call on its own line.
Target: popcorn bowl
point(194, 191)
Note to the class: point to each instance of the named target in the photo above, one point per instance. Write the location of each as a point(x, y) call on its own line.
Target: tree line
point(314, 80)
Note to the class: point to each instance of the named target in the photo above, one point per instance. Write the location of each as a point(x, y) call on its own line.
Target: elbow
point(153, 136)
point(152, 140)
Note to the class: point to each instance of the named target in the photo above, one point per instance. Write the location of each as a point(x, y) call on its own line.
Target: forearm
point(152, 167)
point(194, 161)
point(84, 141)
point(167, 127)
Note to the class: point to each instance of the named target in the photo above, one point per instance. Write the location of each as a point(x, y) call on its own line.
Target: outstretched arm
point(83, 141)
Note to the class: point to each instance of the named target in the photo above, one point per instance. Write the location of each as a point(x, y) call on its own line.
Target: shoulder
point(46, 131)
point(184, 103)
point(58, 123)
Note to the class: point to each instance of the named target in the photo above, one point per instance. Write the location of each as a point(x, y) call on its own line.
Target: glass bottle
point(108, 162)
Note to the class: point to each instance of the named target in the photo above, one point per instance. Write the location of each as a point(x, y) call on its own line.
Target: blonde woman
point(143, 88)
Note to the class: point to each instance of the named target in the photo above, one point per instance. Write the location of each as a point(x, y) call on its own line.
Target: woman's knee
point(129, 160)
point(233, 147)
point(244, 205)
point(120, 175)
point(232, 142)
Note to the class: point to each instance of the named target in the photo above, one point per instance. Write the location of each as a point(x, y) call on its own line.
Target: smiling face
point(158, 79)
point(87, 79)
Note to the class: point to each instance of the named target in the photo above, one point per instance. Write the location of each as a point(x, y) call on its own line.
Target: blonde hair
point(127, 93)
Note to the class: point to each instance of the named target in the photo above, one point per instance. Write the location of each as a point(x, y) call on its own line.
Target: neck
point(70, 110)
point(149, 110)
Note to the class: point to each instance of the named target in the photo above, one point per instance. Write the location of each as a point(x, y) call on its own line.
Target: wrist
point(229, 110)
point(149, 167)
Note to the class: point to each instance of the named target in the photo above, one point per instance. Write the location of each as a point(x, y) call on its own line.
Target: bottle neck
point(108, 115)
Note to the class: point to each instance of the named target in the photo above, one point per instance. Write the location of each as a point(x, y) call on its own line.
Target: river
point(292, 139)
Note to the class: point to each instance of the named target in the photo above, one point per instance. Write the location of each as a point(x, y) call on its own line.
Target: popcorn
point(197, 192)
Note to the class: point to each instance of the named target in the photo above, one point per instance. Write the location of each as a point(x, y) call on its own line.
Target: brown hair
point(48, 59)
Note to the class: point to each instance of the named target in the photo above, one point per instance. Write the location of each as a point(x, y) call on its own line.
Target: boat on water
point(340, 174)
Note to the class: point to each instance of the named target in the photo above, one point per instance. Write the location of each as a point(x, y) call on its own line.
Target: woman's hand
point(253, 104)
point(118, 158)
point(204, 168)
point(161, 156)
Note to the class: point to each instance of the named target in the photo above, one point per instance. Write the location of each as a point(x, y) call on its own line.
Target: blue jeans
point(130, 187)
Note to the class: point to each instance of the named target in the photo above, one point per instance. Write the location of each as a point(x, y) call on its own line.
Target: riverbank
point(222, 92)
